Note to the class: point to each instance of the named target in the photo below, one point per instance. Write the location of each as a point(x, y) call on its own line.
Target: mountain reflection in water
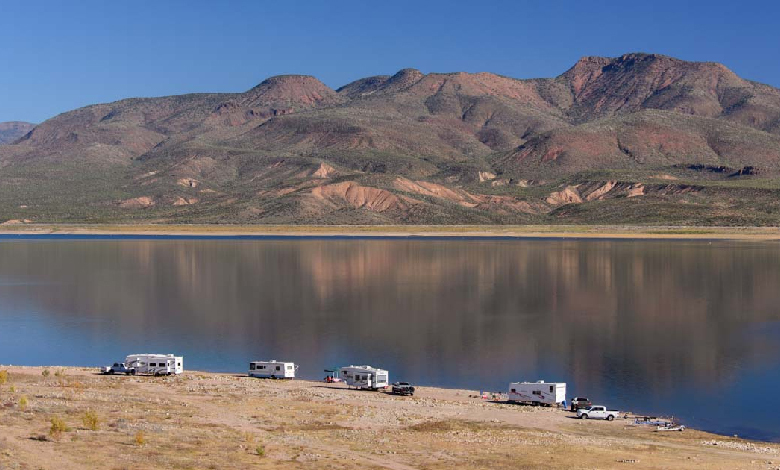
point(656, 326)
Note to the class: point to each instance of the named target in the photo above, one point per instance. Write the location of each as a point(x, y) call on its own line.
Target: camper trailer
point(155, 364)
point(537, 393)
point(272, 369)
point(364, 377)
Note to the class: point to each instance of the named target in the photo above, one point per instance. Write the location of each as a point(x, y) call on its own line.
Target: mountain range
point(641, 138)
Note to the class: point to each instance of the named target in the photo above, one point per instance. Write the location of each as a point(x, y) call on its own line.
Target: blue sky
point(56, 56)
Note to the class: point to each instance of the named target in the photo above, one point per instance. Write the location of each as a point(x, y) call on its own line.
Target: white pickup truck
point(597, 412)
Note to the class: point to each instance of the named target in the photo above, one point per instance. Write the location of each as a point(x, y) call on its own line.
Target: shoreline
point(561, 232)
point(440, 389)
point(215, 420)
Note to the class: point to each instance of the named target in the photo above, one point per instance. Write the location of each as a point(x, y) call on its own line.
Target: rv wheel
point(132, 372)
point(610, 418)
point(111, 372)
point(584, 416)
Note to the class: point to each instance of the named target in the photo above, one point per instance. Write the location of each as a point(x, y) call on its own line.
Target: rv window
point(551, 388)
point(251, 367)
point(278, 368)
point(536, 392)
point(289, 367)
point(178, 364)
point(152, 364)
point(514, 391)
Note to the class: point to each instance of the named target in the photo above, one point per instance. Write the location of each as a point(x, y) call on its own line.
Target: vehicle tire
point(132, 372)
point(610, 418)
point(111, 372)
point(584, 416)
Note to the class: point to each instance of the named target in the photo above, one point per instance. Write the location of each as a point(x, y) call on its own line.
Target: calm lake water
point(690, 329)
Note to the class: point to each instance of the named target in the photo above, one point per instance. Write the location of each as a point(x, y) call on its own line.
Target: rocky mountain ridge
point(417, 148)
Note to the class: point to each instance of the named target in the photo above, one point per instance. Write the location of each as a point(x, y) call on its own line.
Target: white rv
point(364, 377)
point(537, 393)
point(272, 369)
point(155, 364)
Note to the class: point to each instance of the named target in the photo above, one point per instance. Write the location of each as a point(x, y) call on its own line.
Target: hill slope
point(641, 138)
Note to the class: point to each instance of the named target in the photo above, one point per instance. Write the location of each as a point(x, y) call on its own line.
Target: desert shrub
point(12, 389)
point(45, 372)
point(90, 420)
point(60, 373)
point(23, 402)
point(3, 376)
point(260, 451)
point(58, 427)
point(140, 439)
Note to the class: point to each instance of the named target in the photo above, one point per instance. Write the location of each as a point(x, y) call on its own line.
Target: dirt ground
point(220, 421)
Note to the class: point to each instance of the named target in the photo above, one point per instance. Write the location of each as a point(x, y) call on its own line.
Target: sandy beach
point(508, 231)
point(219, 421)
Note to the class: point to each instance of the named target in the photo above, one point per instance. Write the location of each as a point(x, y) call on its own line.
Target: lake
point(683, 328)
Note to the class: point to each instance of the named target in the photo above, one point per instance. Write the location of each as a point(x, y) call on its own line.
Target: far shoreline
point(498, 232)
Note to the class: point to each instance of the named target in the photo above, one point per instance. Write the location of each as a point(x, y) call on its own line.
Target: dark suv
point(579, 402)
point(118, 368)
point(403, 388)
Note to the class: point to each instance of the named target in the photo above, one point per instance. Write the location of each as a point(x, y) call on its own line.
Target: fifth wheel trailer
point(155, 364)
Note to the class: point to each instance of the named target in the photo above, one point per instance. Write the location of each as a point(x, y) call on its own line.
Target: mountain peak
point(293, 89)
point(403, 79)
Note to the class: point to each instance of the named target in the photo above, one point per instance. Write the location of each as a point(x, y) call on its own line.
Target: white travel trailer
point(155, 364)
point(537, 393)
point(364, 377)
point(272, 369)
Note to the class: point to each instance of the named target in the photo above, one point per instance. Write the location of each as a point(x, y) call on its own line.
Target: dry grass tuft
point(91, 421)
point(58, 426)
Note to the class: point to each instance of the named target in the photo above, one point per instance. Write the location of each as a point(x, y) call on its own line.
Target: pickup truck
point(597, 412)
point(403, 388)
point(580, 402)
point(118, 368)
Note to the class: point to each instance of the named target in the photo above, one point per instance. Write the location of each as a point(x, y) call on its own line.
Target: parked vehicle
point(364, 377)
point(537, 393)
point(155, 364)
point(272, 369)
point(117, 368)
point(579, 402)
point(597, 412)
point(403, 388)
